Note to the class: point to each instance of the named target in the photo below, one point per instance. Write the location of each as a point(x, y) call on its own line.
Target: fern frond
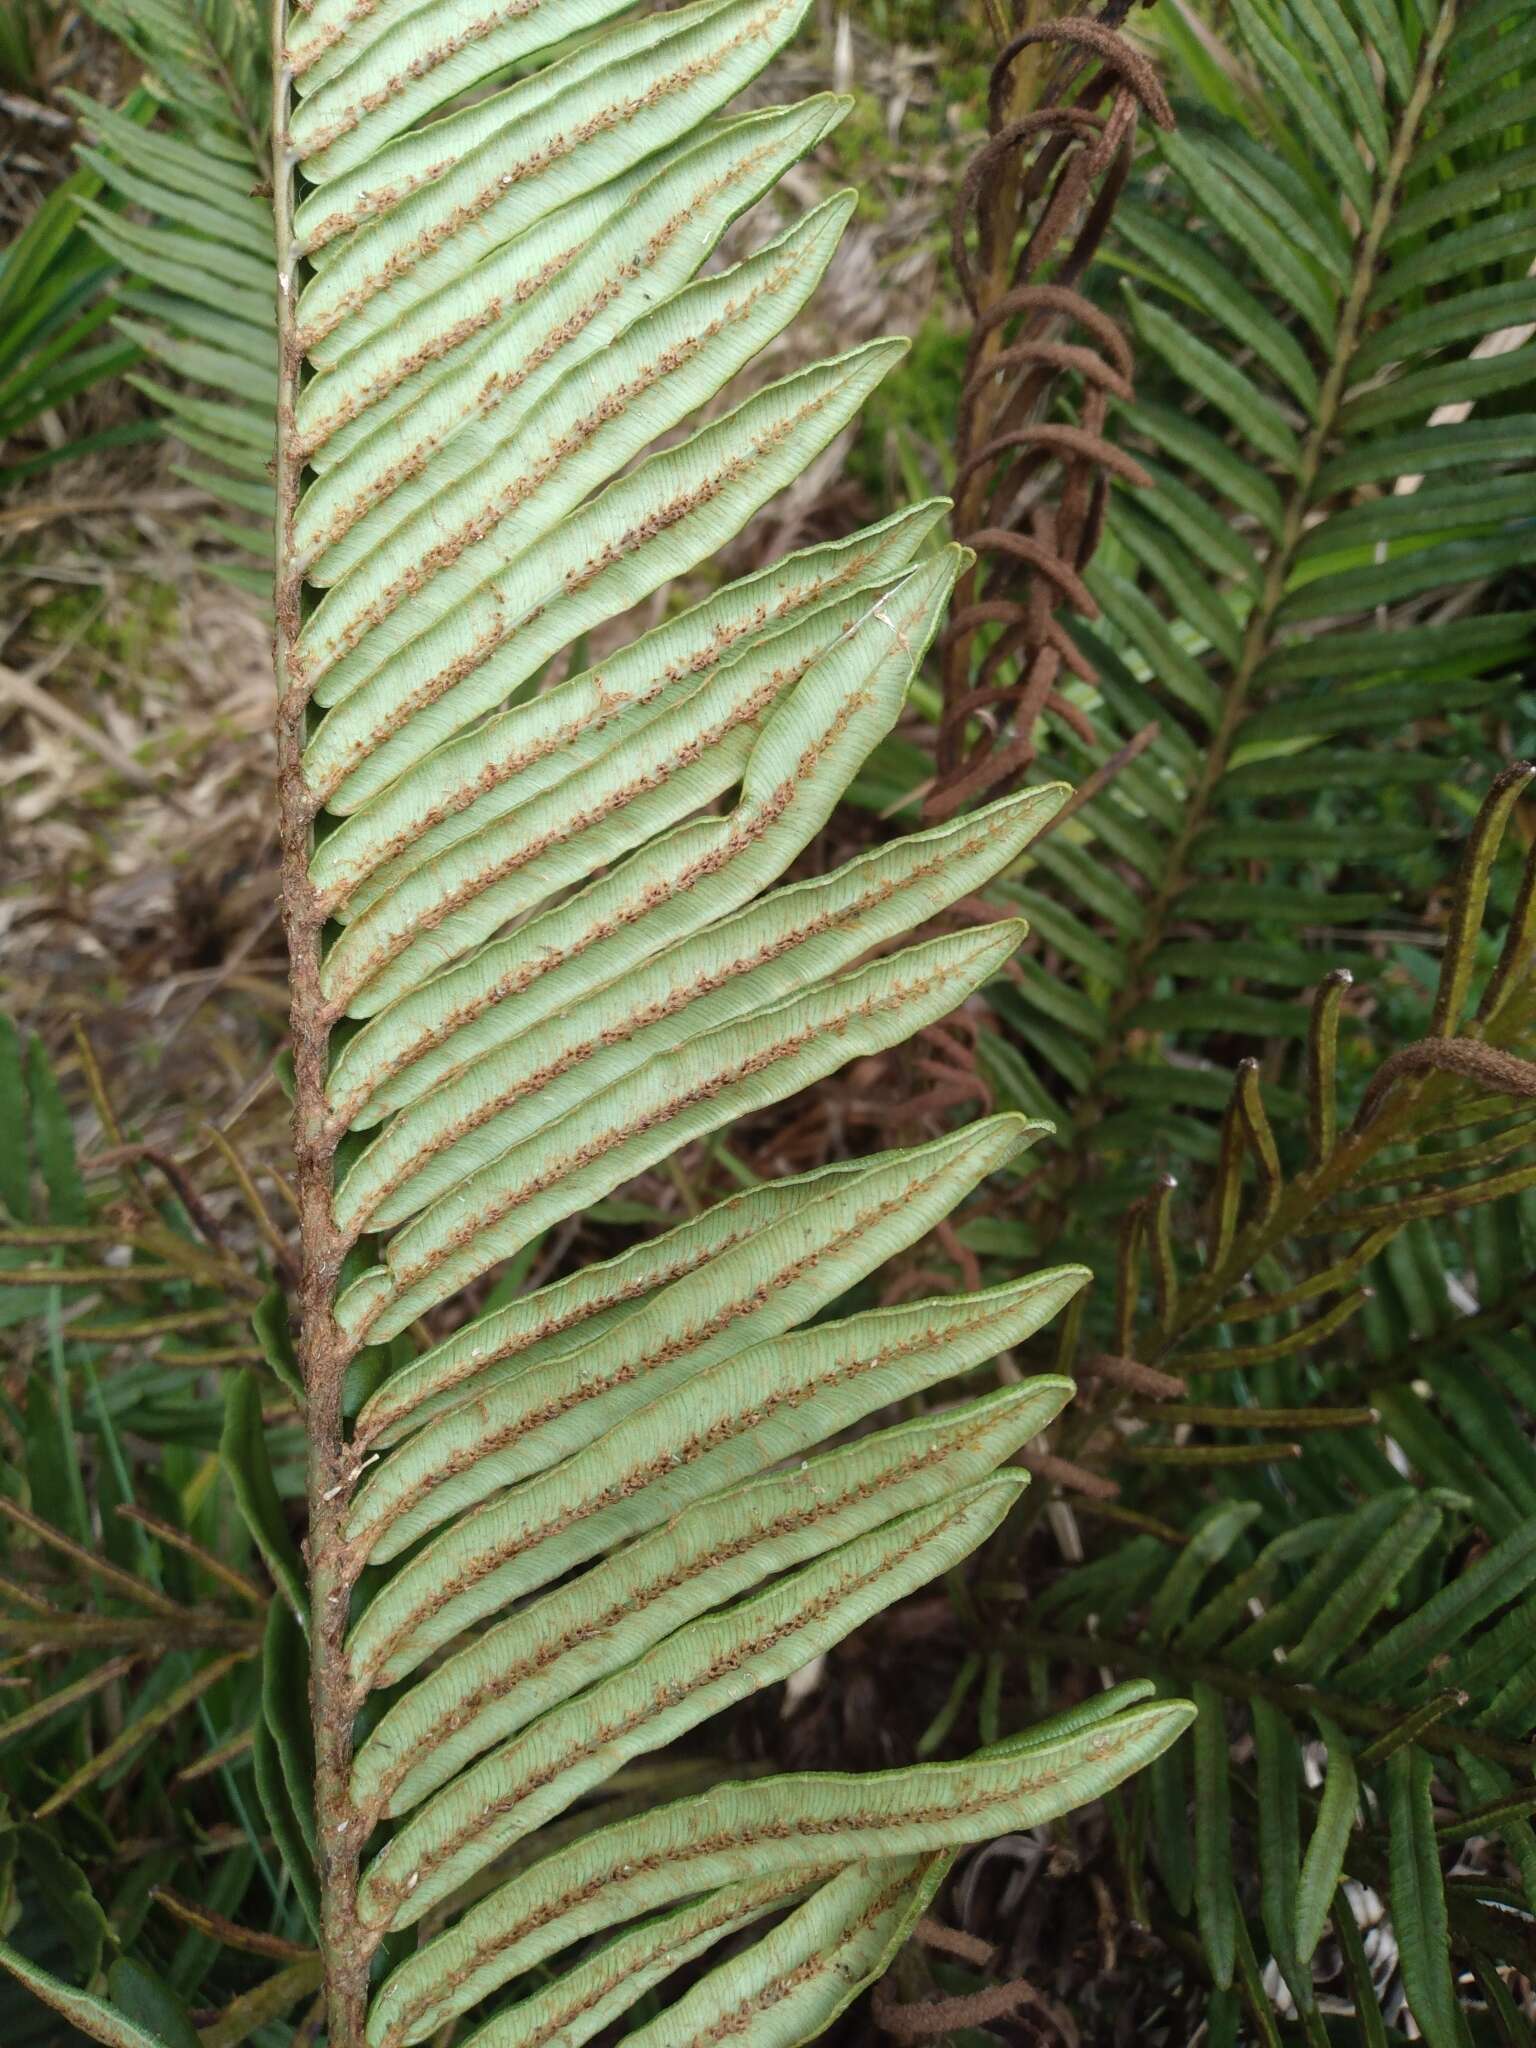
point(206, 60)
point(542, 938)
point(1369, 1579)
point(55, 304)
point(191, 228)
point(1333, 392)
point(1037, 198)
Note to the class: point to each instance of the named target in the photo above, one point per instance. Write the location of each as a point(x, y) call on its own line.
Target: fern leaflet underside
point(541, 939)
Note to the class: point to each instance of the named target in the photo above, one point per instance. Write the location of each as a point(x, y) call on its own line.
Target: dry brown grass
point(137, 875)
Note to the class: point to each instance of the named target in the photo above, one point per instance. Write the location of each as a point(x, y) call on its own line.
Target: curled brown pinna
point(1031, 488)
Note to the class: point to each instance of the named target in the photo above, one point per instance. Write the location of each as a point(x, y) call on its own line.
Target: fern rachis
point(565, 1514)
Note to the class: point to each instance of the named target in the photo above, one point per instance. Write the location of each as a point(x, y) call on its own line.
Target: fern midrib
point(502, 1799)
point(509, 1544)
point(665, 1351)
point(643, 1593)
point(1258, 636)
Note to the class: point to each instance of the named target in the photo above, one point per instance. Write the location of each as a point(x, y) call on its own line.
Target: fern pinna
point(533, 951)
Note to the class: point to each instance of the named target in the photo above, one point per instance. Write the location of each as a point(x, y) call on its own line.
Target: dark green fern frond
point(56, 334)
point(1323, 601)
point(1315, 1397)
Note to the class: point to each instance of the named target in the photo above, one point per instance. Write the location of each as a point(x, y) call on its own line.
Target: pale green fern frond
point(542, 938)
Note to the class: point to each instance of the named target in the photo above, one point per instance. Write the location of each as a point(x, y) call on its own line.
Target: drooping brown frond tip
point(934, 2019)
point(1030, 490)
point(1069, 1477)
point(1136, 1377)
point(954, 1941)
point(229, 1933)
point(1501, 1073)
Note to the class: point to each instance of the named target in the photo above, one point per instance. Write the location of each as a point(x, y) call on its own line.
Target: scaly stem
point(323, 1350)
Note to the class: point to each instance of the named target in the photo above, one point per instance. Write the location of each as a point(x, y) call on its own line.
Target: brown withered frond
point(1030, 487)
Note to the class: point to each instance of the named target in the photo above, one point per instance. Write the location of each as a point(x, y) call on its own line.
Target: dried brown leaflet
point(1031, 488)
